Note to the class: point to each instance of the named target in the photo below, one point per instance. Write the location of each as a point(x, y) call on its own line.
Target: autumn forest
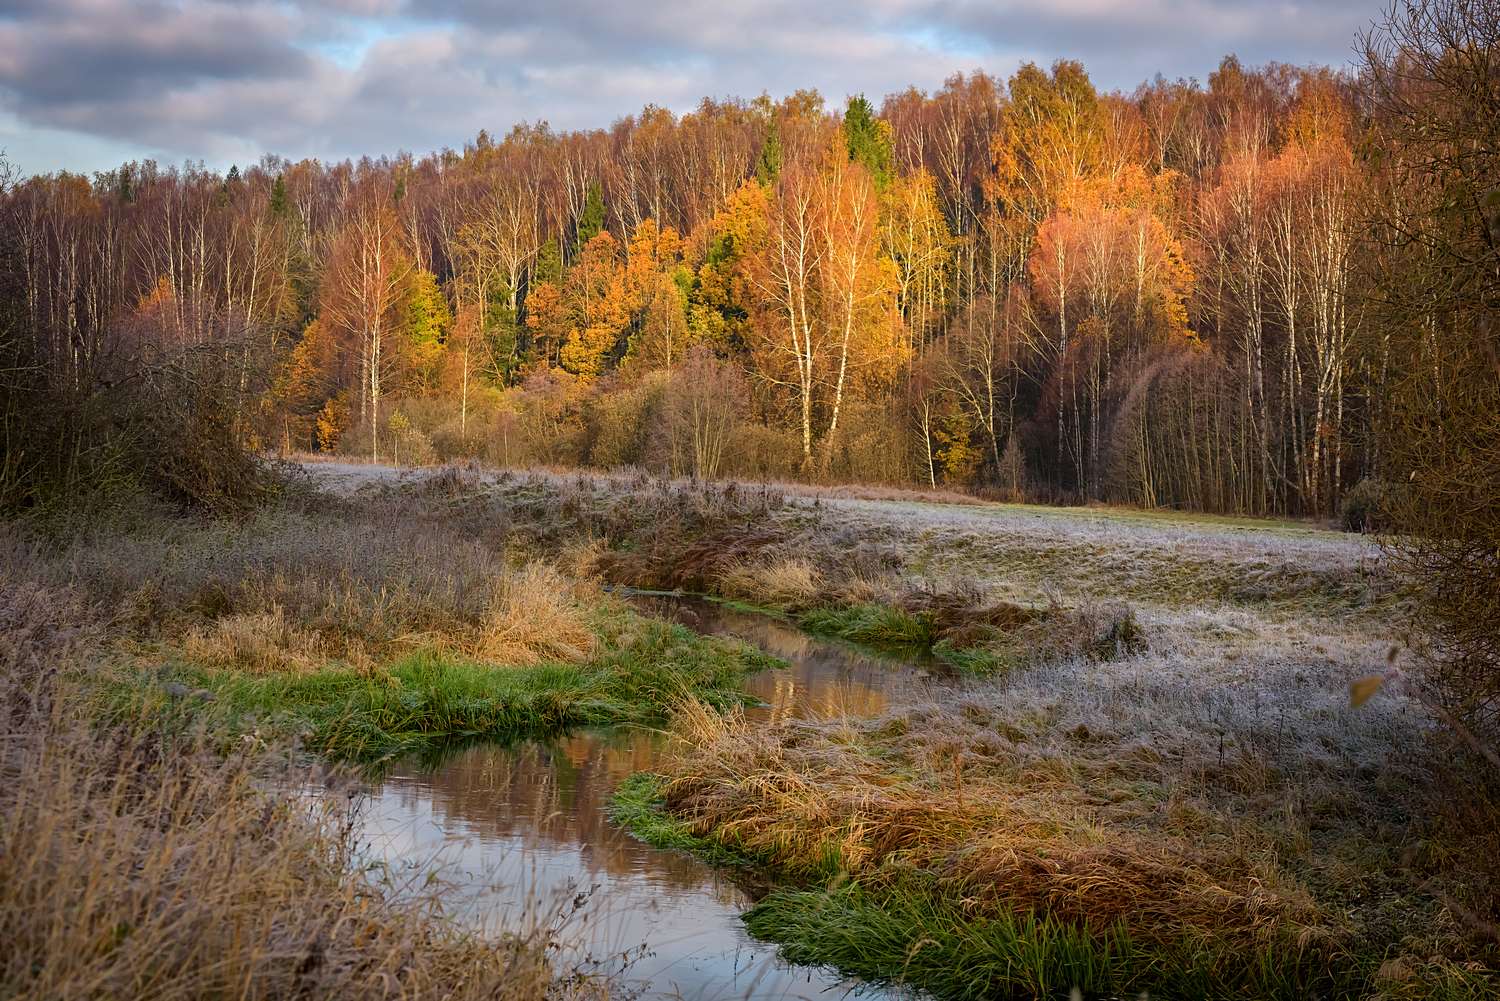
point(1020, 287)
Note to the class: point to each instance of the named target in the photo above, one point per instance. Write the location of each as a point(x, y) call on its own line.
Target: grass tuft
point(875, 624)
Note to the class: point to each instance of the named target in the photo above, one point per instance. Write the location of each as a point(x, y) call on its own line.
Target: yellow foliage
point(333, 420)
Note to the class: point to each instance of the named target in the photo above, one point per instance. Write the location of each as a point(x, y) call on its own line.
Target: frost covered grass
point(1118, 555)
point(1168, 833)
point(1160, 785)
point(388, 623)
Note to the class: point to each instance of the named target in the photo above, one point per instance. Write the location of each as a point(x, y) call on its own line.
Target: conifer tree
point(279, 202)
point(869, 139)
point(768, 167)
point(590, 222)
point(549, 265)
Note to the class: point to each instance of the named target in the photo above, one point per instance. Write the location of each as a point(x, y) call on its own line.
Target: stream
point(523, 829)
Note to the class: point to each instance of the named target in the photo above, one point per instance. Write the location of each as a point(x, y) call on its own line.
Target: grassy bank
point(373, 626)
point(164, 678)
point(138, 859)
point(909, 930)
point(1111, 825)
point(427, 701)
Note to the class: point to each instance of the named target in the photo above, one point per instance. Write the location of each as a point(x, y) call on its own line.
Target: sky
point(86, 85)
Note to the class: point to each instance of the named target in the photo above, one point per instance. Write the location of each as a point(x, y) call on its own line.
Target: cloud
point(222, 79)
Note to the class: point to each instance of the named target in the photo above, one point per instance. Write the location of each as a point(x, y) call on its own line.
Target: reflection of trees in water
point(825, 678)
point(558, 791)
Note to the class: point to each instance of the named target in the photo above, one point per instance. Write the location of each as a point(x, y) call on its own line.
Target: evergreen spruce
point(869, 138)
point(549, 264)
point(768, 167)
point(591, 222)
point(279, 203)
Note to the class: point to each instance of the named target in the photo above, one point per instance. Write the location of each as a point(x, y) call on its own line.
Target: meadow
point(191, 703)
point(1149, 776)
point(1144, 775)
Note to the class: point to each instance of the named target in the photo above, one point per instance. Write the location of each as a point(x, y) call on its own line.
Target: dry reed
point(135, 861)
point(789, 585)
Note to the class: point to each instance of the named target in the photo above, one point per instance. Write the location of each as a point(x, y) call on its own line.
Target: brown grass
point(1100, 792)
point(789, 585)
point(291, 591)
point(534, 618)
point(257, 643)
point(137, 862)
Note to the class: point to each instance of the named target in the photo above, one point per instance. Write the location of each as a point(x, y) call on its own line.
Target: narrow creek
point(527, 826)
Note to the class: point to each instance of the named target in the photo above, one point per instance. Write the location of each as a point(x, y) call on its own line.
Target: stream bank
point(525, 827)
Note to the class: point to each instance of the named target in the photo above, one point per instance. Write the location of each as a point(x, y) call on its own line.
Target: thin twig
point(1466, 915)
point(1395, 675)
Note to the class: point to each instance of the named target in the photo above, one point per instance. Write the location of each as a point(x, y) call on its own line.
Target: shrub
point(1365, 508)
point(1438, 428)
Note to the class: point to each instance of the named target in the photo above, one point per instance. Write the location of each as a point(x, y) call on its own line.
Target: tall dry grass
point(135, 861)
point(295, 589)
point(532, 619)
point(790, 585)
point(1119, 794)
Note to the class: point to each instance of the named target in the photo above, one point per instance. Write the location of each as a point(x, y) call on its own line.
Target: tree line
point(1020, 286)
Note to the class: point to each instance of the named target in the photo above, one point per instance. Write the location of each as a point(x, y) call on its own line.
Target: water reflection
point(529, 822)
point(825, 678)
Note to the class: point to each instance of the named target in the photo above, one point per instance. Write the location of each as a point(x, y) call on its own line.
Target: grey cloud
point(219, 78)
point(86, 50)
point(1124, 43)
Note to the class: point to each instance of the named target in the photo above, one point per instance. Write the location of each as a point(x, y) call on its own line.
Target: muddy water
point(526, 829)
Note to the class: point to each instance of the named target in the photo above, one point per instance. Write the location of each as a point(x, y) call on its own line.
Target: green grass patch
point(742, 606)
point(981, 662)
point(888, 628)
point(430, 700)
point(907, 930)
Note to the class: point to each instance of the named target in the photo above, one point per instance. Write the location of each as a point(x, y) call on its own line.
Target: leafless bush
point(1430, 66)
point(623, 425)
point(704, 401)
